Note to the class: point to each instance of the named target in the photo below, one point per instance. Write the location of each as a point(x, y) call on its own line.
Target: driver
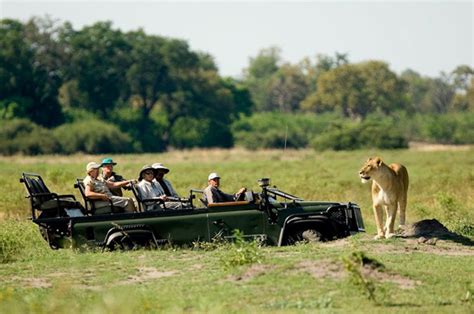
point(213, 194)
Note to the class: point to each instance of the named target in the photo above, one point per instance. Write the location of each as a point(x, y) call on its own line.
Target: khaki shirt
point(214, 195)
point(97, 185)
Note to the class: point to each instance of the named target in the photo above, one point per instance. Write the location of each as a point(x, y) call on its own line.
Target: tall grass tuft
point(242, 252)
point(354, 264)
point(20, 240)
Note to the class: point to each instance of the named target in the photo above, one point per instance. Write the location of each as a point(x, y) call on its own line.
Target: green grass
point(246, 277)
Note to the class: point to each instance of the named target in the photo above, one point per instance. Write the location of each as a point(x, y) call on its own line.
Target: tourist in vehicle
point(213, 194)
point(109, 175)
point(99, 189)
point(148, 189)
point(164, 186)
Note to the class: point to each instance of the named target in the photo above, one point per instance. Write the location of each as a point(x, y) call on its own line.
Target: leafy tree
point(287, 88)
point(416, 89)
point(357, 89)
point(470, 96)
point(439, 95)
point(148, 75)
point(323, 64)
point(99, 59)
point(31, 70)
point(258, 74)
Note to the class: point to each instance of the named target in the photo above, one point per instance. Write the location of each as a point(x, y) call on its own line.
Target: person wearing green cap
point(110, 176)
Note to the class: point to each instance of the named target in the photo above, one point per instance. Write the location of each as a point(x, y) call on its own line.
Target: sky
point(426, 36)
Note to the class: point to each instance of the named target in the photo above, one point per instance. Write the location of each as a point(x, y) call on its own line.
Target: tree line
point(99, 89)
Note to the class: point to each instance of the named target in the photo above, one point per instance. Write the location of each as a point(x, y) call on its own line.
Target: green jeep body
point(273, 215)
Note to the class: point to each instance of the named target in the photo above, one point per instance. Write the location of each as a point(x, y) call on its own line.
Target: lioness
point(389, 190)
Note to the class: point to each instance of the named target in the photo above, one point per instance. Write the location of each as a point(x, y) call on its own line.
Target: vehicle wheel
point(122, 244)
point(305, 236)
point(52, 240)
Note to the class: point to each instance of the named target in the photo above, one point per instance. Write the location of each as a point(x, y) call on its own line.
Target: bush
point(93, 137)
point(20, 240)
point(146, 132)
point(190, 132)
point(21, 136)
point(452, 128)
point(273, 130)
point(383, 134)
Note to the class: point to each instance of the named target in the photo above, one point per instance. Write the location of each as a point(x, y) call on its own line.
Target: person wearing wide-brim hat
point(213, 194)
point(147, 188)
point(96, 188)
point(109, 175)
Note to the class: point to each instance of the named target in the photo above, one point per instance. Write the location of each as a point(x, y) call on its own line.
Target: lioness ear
point(378, 161)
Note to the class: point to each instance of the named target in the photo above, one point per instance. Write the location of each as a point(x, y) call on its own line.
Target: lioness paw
point(389, 235)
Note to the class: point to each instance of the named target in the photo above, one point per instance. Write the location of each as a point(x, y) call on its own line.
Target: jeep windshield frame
point(285, 195)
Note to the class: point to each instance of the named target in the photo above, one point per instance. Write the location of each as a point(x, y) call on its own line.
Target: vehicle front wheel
point(304, 236)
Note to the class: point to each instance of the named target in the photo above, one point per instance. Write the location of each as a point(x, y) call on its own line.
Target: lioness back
point(402, 175)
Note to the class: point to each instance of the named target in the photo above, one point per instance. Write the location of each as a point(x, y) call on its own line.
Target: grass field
point(415, 277)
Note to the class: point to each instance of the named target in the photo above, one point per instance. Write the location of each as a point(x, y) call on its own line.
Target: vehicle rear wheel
point(304, 236)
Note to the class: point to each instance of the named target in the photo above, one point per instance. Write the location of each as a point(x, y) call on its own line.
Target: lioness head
point(370, 166)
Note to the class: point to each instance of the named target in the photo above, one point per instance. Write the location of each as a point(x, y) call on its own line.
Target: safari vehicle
point(277, 217)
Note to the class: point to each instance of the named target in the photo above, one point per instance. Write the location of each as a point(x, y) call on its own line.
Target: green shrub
point(451, 128)
point(20, 240)
point(21, 136)
point(93, 137)
point(190, 132)
point(277, 130)
point(370, 133)
point(242, 252)
point(146, 132)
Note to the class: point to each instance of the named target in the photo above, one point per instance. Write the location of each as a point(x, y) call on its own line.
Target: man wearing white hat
point(165, 188)
point(214, 195)
point(98, 189)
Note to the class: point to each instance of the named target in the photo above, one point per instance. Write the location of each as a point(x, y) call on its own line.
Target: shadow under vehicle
point(271, 215)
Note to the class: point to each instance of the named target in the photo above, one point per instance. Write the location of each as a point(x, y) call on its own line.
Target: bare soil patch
point(251, 272)
point(379, 273)
point(147, 274)
point(429, 147)
point(335, 270)
point(323, 269)
point(36, 282)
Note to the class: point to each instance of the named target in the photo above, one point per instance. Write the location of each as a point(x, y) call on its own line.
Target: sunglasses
point(148, 172)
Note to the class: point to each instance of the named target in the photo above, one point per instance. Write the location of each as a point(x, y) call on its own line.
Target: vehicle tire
point(304, 236)
point(122, 244)
point(52, 240)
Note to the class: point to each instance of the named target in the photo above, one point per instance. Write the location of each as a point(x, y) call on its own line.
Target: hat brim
point(109, 163)
point(165, 170)
point(140, 177)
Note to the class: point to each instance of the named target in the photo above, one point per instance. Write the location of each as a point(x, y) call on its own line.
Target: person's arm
point(172, 190)
point(94, 195)
point(239, 193)
point(119, 184)
point(209, 195)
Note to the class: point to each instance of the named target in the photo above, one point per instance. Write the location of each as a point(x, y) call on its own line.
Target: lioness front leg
point(392, 213)
point(378, 221)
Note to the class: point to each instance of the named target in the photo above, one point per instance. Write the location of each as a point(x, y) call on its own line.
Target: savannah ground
point(415, 276)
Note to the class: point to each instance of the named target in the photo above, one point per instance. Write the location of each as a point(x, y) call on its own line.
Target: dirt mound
point(432, 228)
point(426, 228)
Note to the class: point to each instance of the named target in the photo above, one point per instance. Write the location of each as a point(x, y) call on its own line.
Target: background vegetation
point(101, 90)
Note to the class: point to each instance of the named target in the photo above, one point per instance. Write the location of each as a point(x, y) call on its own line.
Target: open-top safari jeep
point(276, 217)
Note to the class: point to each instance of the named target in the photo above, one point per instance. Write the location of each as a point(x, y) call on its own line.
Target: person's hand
point(132, 182)
point(106, 197)
point(163, 197)
point(242, 190)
